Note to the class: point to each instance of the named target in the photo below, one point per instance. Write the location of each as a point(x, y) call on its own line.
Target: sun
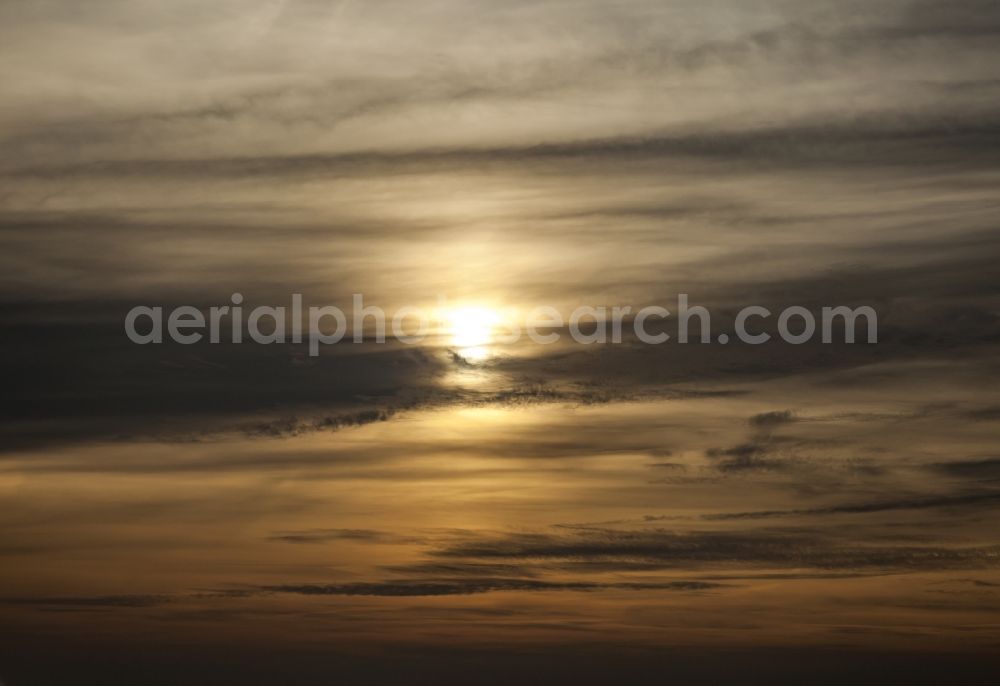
point(470, 327)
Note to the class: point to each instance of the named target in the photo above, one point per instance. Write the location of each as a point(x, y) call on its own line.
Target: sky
point(429, 513)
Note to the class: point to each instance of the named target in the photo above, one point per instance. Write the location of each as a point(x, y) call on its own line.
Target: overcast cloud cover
point(571, 512)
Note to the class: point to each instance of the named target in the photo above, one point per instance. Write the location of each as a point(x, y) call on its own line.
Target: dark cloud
point(744, 458)
point(875, 142)
point(486, 585)
point(659, 549)
point(109, 601)
point(772, 419)
point(963, 19)
point(985, 414)
point(326, 535)
point(453, 569)
point(985, 469)
point(975, 500)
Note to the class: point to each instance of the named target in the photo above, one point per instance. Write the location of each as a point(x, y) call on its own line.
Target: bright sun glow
point(472, 326)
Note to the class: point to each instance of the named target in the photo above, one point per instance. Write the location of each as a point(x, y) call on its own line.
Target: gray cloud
point(327, 535)
point(475, 586)
point(986, 469)
point(766, 420)
point(666, 550)
point(107, 601)
point(987, 499)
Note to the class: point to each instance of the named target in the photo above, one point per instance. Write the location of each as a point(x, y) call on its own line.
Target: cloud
point(109, 601)
point(914, 503)
point(659, 549)
point(746, 457)
point(767, 420)
point(355, 535)
point(986, 469)
point(926, 139)
point(985, 414)
point(485, 585)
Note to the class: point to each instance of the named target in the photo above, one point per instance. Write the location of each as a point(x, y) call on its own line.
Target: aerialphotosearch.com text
point(544, 325)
